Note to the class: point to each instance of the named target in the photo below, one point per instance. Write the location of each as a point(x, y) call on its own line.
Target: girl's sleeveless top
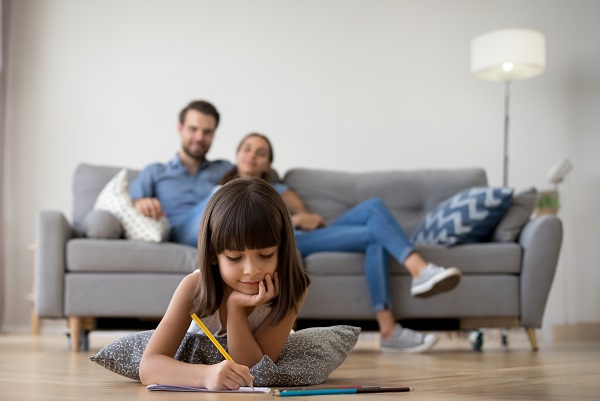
point(213, 322)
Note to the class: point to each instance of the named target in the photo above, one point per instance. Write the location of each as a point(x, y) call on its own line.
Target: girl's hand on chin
point(267, 290)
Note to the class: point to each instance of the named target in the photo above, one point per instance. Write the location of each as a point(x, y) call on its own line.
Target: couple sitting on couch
point(181, 188)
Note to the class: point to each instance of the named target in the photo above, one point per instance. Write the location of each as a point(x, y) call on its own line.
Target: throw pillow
point(115, 198)
point(518, 214)
point(469, 216)
point(308, 357)
point(102, 224)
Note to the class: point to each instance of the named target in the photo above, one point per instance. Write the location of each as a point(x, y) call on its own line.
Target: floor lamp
point(508, 55)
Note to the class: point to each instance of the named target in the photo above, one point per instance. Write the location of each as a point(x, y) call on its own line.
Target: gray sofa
point(505, 284)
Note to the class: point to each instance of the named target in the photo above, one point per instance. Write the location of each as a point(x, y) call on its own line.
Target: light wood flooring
point(40, 368)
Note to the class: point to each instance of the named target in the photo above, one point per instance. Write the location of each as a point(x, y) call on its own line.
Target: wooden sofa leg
point(532, 338)
point(75, 326)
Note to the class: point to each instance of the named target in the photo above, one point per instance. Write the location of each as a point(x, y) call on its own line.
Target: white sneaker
point(407, 340)
point(433, 280)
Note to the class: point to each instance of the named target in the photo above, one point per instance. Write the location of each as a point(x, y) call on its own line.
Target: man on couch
point(176, 188)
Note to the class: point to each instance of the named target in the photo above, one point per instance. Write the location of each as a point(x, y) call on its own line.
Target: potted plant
point(547, 203)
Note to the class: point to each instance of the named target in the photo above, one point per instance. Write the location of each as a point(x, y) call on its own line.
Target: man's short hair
point(200, 106)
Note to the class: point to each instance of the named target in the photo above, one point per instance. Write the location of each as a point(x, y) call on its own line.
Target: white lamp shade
point(508, 55)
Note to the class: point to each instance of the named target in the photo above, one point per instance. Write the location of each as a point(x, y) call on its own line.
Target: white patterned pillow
point(115, 198)
point(467, 217)
point(308, 357)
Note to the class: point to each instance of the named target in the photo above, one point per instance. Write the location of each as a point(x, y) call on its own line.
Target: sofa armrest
point(541, 240)
point(52, 233)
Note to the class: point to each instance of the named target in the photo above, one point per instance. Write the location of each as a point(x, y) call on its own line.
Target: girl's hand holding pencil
point(226, 374)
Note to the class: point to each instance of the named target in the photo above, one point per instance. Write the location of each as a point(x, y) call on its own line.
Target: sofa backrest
point(409, 195)
point(88, 181)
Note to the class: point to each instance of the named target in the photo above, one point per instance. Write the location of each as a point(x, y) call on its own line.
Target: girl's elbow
point(274, 356)
point(144, 373)
point(145, 382)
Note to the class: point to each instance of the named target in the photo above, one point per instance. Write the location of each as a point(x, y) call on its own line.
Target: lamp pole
point(507, 55)
point(506, 124)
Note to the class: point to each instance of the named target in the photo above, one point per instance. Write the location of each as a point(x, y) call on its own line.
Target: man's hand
point(308, 221)
point(149, 207)
point(267, 290)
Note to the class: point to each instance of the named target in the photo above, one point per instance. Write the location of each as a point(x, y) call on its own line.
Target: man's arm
point(149, 207)
point(142, 193)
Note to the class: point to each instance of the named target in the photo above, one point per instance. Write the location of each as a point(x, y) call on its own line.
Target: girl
point(368, 227)
point(249, 287)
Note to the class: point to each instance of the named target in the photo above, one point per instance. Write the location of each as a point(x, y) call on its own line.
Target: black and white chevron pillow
point(469, 216)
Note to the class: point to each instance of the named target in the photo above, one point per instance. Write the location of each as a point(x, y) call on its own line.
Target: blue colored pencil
point(330, 391)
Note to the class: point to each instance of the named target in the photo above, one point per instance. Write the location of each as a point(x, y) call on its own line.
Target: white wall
point(346, 85)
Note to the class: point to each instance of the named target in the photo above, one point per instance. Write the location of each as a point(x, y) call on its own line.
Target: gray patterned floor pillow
point(308, 357)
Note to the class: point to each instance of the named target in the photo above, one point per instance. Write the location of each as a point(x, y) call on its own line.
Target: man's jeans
point(186, 232)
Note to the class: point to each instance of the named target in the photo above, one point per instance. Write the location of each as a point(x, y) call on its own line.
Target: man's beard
point(196, 157)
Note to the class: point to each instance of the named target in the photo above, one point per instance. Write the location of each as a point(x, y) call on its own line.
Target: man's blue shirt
point(177, 190)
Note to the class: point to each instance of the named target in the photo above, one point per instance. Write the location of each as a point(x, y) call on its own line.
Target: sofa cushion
point(469, 216)
point(483, 258)
point(102, 224)
point(119, 294)
point(408, 194)
point(88, 181)
point(518, 214)
point(329, 193)
point(105, 255)
point(477, 296)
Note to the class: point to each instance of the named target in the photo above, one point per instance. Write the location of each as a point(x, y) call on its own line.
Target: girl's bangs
point(247, 224)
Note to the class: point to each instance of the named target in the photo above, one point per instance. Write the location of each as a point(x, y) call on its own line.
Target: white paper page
point(164, 387)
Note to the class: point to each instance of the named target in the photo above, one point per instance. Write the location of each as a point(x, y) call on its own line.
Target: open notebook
point(164, 387)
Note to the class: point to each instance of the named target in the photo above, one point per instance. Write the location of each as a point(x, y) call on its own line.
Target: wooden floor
point(40, 368)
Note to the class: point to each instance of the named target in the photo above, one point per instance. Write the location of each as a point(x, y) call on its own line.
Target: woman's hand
point(227, 375)
point(267, 290)
point(308, 221)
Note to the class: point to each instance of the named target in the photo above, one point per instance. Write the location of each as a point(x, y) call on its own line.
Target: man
point(177, 189)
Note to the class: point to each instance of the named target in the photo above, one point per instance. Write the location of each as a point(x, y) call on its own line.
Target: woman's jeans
point(368, 227)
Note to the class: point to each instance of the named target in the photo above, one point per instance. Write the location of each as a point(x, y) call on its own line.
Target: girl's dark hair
point(233, 173)
point(247, 213)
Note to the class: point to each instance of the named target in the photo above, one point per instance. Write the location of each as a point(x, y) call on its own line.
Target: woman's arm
point(301, 218)
point(157, 364)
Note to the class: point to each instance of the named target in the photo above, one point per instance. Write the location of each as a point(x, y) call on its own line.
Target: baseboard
point(576, 332)
point(47, 326)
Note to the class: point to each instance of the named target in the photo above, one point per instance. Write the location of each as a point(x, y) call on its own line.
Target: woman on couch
point(368, 227)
